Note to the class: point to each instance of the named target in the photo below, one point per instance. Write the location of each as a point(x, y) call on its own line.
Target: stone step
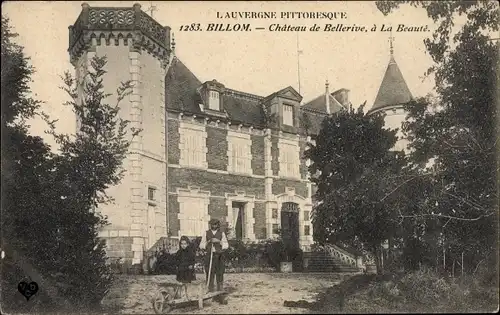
point(342, 268)
point(327, 261)
point(329, 270)
point(321, 262)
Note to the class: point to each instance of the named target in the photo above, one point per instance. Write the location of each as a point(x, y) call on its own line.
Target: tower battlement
point(138, 51)
point(118, 26)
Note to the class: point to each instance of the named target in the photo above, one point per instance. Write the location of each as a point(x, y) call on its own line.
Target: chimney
point(327, 97)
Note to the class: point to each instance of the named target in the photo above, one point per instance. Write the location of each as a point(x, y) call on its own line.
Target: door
point(290, 224)
point(151, 226)
point(239, 217)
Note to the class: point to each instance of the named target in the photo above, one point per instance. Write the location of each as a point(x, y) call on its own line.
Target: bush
point(419, 291)
point(260, 256)
point(165, 264)
point(263, 254)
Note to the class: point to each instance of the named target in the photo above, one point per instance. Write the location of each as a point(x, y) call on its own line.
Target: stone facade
point(137, 49)
point(205, 151)
point(234, 164)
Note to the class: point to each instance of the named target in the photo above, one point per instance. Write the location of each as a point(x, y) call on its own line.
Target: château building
point(205, 150)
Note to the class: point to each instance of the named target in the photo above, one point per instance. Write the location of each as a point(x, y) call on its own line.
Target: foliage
point(17, 104)
point(26, 167)
point(50, 199)
point(305, 122)
point(165, 264)
point(479, 15)
point(454, 205)
point(356, 169)
point(270, 119)
point(239, 257)
point(418, 291)
point(89, 163)
point(242, 255)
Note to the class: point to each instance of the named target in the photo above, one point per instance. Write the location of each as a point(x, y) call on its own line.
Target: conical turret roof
point(393, 90)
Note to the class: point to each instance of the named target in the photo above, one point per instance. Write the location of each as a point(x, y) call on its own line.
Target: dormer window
point(214, 100)
point(288, 115)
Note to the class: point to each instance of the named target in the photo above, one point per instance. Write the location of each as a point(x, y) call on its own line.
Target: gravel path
point(250, 293)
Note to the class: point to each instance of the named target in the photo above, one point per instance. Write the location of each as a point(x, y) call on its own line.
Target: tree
point(16, 76)
point(356, 167)
point(305, 123)
point(24, 158)
point(49, 200)
point(26, 169)
point(458, 133)
point(90, 162)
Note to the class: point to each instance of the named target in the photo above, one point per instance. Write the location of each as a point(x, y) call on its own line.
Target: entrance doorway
point(151, 226)
point(290, 225)
point(239, 220)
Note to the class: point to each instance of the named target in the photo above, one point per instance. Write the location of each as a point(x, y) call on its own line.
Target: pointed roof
point(393, 90)
point(288, 92)
point(319, 104)
point(325, 103)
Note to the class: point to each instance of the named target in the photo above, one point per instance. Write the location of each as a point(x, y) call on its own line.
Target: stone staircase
point(332, 258)
point(149, 259)
point(171, 244)
point(322, 262)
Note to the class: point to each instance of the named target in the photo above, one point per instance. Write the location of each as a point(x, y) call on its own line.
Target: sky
point(257, 62)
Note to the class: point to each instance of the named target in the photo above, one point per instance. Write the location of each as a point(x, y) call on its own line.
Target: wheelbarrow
point(166, 300)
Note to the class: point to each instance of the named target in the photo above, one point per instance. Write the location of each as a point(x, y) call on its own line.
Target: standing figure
point(215, 241)
point(185, 260)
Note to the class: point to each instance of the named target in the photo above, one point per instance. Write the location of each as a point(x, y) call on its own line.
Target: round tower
point(137, 49)
point(392, 95)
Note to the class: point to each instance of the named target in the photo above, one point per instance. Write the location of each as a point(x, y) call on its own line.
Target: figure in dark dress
point(185, 260)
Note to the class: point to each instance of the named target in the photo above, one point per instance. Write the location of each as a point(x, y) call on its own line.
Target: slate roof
point(393, 89)
point(319, 104)
point(244, 107)
point(315, 120)
point(182, 94)
point(181, 87)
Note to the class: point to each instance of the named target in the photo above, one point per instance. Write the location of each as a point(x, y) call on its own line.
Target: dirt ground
point(250, 293)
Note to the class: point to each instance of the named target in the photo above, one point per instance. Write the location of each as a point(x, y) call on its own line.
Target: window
point(289, 160)
point(239, 221)
point(193, 217)
point(288, 115)
point(213, 100)
point(307, 230)
point(151, 193)
point(193, 147)
point(275, 214)
point(276, 229)
point(239, 153)
point(306, 216)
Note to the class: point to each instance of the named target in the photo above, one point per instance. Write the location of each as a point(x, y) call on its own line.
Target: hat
point(214, 222)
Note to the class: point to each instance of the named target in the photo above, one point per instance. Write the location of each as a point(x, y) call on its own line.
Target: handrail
point(341, 254)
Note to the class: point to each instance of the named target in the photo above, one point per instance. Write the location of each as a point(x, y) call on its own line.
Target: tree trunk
point(390, 251)
point(378, 261)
